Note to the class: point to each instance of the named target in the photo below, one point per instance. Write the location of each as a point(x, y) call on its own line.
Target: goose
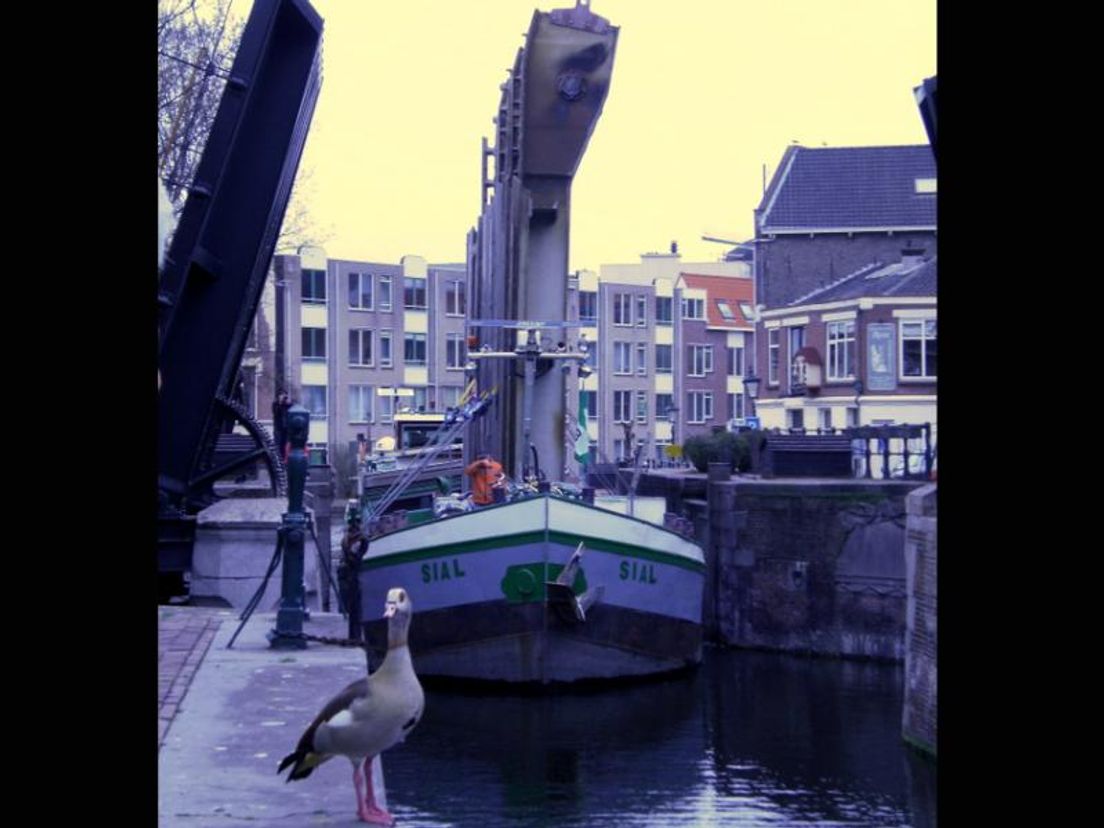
point(367, 717)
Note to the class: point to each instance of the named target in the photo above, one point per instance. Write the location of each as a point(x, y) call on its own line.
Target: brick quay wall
point(799, 565)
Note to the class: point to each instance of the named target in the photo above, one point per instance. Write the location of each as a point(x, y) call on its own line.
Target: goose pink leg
point(367, 809)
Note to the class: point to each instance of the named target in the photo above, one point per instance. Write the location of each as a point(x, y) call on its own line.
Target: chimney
point(674, 248)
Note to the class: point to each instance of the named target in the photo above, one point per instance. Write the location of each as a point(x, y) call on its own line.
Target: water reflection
point(749, 739)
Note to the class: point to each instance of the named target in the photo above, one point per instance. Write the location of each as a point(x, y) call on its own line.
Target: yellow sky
point(704, 93)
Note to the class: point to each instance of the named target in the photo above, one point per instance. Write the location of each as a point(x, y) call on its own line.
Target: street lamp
point(751, 386)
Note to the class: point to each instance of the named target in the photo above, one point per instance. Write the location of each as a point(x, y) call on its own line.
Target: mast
point(518, 253)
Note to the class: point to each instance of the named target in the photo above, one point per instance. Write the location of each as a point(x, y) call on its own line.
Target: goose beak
point(390, 608)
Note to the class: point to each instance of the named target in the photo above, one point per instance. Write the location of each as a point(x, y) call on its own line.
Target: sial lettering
point(635, 571)
point(441, 571)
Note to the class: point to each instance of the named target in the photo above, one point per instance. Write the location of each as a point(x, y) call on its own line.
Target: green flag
point(582, 443)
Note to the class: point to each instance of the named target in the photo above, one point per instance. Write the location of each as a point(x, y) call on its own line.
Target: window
point(663, 359)
point(641, 359)
point(664, 403)
point(641, 310)
point(699, 406)
point(386, 408)
point(622, 357)
point(314, 400)
point(663, 310)
point(773, 348)
point(747, 311)
point(642, 406)
point(918, 340)
point(852, 417)
point(619, 449)
point(725, 309)
point(360, 403)
point(360, 347)
point(735, 406)
point(385, 349)
point(456, 300)
point(795, 418)
point(314, 287)
point(700, 360)
point(588, 306)
point(450, 396)
point(454, 352)
point(693, 308)
point(314, 344)
point(736, 361)
point(841, 350)
point(414, 293)
point(824, 418)
point(622, 406)
point(797, 342)
point(420, 399)
point(622, 309)
point(360, 291)
point(414, 349)
point(385, 293)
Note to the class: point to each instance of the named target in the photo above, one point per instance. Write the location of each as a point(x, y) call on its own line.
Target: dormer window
point(725, 310)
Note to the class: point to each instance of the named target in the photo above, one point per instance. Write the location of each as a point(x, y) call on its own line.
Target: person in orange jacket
point(486, 475)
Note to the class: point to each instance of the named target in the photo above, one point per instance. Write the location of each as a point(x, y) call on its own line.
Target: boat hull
point(482, 611)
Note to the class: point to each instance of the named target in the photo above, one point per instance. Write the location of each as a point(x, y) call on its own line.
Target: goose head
point(397, 610)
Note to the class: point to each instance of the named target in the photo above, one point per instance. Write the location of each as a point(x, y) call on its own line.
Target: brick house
point(845, 271)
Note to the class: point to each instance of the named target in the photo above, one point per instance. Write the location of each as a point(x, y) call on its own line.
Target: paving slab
point(243, 711)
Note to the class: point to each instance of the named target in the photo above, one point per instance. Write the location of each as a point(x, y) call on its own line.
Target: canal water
point(748, 739)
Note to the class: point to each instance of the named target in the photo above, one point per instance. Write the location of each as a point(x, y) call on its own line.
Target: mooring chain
point(325, 639)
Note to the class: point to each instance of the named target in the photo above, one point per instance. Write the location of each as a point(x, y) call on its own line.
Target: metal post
point(289, 618)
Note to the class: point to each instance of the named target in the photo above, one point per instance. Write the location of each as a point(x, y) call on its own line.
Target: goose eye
point(402, 596)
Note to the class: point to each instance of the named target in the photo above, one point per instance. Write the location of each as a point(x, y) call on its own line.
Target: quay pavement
point(227, 718)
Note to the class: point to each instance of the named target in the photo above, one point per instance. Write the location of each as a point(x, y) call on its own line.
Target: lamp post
point(751, 386)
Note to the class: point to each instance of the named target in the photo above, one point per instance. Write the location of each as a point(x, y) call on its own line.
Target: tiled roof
point(730, 289)
point(841, 187)
point(879, 279)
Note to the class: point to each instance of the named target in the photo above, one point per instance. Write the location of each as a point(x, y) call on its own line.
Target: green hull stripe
point(521, 538)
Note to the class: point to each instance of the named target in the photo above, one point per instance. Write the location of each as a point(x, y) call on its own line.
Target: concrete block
point(234, 544)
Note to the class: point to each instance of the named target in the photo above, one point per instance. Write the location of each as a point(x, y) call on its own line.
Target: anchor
point(570, 606)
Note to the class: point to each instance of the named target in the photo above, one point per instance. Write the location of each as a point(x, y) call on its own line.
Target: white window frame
point(314, 336)
point(693, 308)
point(641, 408)
point(361, 279)
point(622, 309)
point(641, 310)
point(454, 353)
point(388, 337)
point(699, 406)
point(322, 415)
point(456, 299)
point(669, 303)
point(774, 355)
point(412, 336)
point(622, 406)
point(363, 392)
point(622, 358)
point(838, 336)
point(923, 339)
point(670, 350)
point(386, 286)
point(642, 359)
point(701, 361)
point(590, 298)
point(359, 334)
point(737, 359)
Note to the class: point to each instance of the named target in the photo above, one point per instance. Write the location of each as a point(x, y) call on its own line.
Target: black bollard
point(289, 619)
